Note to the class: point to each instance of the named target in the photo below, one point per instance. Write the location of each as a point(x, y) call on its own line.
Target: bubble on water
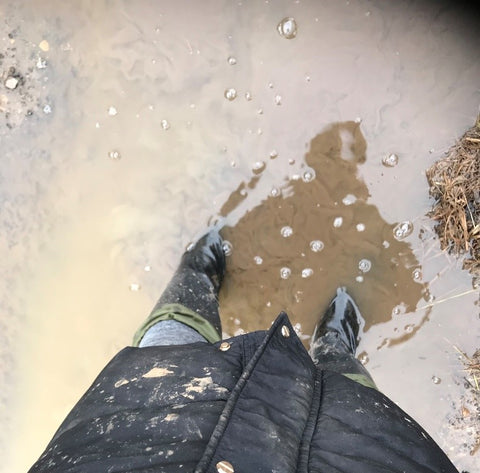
point(317, 246)
point(278, 100)
point(134, 287)
point(41, 63)
point(286, 231)
point(307, 272)
point(291, 161)
point(147, 268)
point(298, 328)
point(260, 111)
point(285, 273)
point(270, 85)
point(399, 309)
point(268, 304)
point(258, 259)
point(386, 244)
point(338, 222)
point(243, 192)
point(273, 154)
point(165, 124)
point(417, 274)
point(308, 176)
point(390, 161)
point(364, 265)
point(233, 164)
point(360, 227)
point(47, 109)
point(259, 131)
point(295, 177)
point(97, 125)
point(230, 94)
point(476, 282)
point(114, 154)
point(248, 96)
point(287, 28)
point(307, 78)
point(436, 379)
point(112, 111)
point(363, 358)
point(274, 192)
point(258, 167)
point(227, 247)
point(237, 321)
point(190, 246)
point(232, 61)
point(358, 120)
point(409, 328)
point(359, 279)
point(402, 230)
point(349, 199)
point(428, 296)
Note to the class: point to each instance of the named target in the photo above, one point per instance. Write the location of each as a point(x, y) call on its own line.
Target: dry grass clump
point(471, 414)
point(472, 366)
point(455, 185)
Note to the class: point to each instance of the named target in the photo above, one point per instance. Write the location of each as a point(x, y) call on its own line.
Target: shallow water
point(98, 203)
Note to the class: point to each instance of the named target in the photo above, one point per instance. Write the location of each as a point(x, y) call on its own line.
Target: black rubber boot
point(335, 339)
point(197, 280)
point(342, 319)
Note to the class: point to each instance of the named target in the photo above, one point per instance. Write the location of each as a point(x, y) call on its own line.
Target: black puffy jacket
point(258, 403)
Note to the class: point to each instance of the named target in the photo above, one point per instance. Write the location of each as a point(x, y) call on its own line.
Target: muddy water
point(314, 233)
point(118, 146)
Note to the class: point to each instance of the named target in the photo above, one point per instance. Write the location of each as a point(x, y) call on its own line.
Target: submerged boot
point(197, 280)
point(342, 321)
point(335, 339)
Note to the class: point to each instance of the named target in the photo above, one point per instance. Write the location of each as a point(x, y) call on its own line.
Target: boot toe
point(341, 317)
point(207, 256)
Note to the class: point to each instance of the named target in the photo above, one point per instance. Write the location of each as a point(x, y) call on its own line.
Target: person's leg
point(334, 340)
point(187, 310)
point(170, 332)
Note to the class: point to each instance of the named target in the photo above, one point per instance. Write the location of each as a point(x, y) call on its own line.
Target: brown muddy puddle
point(315, 233)
point(119, 145)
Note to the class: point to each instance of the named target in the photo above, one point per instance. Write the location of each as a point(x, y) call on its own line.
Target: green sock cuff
point(362, 379)
point(181, 314)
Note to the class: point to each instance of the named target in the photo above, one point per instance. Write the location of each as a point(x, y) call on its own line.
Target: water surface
point(119, 146)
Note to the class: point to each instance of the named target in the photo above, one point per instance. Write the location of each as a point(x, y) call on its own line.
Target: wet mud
point(21, 96)
point(126, 127)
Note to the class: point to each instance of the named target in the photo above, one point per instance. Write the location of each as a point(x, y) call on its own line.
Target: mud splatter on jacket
point(259, 403)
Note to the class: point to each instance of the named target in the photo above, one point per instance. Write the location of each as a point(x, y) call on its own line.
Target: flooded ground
point(126, 127)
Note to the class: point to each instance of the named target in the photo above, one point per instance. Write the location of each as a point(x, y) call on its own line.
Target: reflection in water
point(292, 251)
